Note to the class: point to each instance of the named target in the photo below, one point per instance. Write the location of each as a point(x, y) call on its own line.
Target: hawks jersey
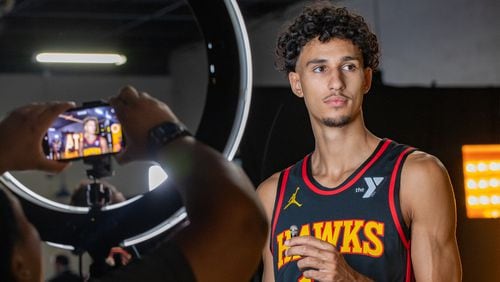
point(92, 148)
point(362, 217)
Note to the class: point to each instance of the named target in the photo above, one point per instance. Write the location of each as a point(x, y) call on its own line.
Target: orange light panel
point(481, 166)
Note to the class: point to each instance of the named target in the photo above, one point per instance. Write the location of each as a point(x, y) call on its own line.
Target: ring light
point(229, 84)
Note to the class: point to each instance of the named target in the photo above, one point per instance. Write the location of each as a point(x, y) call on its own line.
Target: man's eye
point(319, 69)
point(349, 67)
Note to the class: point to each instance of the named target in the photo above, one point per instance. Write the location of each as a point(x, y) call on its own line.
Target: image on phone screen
point(83, 132)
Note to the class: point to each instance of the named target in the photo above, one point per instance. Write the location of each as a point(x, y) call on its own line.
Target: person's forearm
point(223, 211)
point(204, 176)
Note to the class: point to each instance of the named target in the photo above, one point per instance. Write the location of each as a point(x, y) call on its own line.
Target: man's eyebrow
point(343, 59)
point(350, 58)
point(316, 61)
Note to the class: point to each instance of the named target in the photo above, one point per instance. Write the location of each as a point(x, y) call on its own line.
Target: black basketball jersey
point(362, 217)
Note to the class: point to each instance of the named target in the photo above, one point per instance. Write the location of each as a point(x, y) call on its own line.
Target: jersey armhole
point(278, 203)
point(394, 200)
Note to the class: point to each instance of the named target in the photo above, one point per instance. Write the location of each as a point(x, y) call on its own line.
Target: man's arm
point(428, 205)
point(267, 195)
point(227, 223)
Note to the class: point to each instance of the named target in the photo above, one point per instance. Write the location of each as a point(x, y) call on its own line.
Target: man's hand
point(138, 112)
point(21, 135)
point(321, 261)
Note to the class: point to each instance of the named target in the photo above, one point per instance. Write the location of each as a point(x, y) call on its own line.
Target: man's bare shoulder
point(421, 164)
point(425, 186)
point(267, 191)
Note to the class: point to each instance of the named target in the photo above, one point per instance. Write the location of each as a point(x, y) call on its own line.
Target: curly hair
point(324, 21)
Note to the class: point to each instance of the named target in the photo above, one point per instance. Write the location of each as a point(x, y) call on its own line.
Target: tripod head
point(97, 194)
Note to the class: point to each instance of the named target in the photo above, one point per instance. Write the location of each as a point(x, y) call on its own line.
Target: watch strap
point(165, 133)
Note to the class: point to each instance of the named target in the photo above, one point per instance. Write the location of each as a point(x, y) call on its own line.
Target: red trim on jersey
point(409, 274)
point(284, 180)
point(392, 204)
point(348, 184)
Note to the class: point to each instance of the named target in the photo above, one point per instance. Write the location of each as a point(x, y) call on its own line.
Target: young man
point(92, 143)
point(357, 204)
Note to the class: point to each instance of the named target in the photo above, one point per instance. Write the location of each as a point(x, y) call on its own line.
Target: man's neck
point(339, 151)
point(90, 137)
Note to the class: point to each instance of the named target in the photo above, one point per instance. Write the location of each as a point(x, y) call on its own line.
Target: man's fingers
point(26, 112)
point(128, 95)
point(144, 95)
point(310, 263)
point(308, 246)
point(310, 241)
point(52, 110)
point(113, 101)
point(309, 251)
point(317, 275)
point(119, 106)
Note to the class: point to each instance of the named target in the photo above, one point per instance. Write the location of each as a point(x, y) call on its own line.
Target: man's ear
point(20, 270)
point(368, 73)
point(294, 79)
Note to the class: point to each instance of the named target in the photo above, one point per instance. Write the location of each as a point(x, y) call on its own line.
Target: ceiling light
point(81, 58)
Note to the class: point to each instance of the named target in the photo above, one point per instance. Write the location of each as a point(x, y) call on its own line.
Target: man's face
point(331, 79)
point(90, 126)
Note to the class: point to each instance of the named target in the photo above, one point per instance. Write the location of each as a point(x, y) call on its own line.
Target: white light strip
point(172, 221)
point(17, 187)
point(81, 58)
point(60, 246)
point(245, 94)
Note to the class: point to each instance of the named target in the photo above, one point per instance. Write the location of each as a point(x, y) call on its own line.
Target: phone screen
point(83, 132)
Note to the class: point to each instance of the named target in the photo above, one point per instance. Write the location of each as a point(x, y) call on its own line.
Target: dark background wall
point(436, 120)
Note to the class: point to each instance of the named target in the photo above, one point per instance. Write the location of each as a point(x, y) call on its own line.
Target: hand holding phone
point(21, 133)
point(86, 131)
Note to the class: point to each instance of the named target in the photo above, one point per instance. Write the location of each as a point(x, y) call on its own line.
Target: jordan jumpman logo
point(293, 199)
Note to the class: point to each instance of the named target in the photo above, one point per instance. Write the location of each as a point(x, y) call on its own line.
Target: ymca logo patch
point(372, 183)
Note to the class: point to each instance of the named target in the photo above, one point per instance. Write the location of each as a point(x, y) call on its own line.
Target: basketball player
point(360, 203)
point(92, 143)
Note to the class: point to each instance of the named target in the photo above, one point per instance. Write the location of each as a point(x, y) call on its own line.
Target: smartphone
point(90, 130)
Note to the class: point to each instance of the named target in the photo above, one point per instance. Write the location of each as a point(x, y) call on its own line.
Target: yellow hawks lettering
point(343, 234)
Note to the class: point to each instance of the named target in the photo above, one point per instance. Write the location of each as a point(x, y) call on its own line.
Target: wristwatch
point(165, 133)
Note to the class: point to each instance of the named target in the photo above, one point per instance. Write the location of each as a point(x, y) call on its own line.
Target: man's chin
point(336, 122)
